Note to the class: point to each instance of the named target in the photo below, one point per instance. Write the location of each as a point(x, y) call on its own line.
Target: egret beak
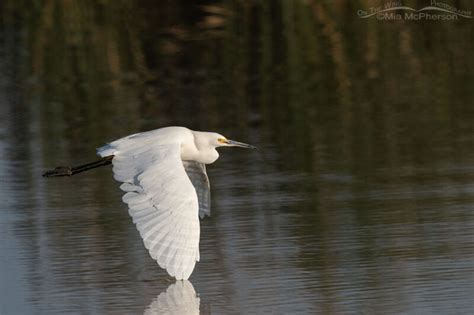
point(239, 144)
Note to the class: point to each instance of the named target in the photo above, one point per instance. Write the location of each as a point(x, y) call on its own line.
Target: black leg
point(69, 171)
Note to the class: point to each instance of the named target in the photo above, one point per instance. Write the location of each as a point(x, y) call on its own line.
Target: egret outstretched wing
point(197, 174)
point(162, 202)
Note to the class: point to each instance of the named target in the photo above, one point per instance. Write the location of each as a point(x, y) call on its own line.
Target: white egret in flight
point(163, 172)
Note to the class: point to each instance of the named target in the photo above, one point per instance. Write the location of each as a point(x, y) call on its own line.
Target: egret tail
point(69, 171)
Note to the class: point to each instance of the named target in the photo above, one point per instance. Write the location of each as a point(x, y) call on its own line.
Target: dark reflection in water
point(359, 200)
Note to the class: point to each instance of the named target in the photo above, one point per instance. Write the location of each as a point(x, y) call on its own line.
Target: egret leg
point(69, 171)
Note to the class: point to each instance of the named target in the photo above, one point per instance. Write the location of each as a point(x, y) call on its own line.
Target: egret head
point(222, 141)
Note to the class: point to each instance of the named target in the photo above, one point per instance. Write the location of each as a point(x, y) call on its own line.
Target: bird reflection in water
point(179, 298)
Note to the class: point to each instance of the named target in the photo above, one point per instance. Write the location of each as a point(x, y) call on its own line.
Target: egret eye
point(222, 140)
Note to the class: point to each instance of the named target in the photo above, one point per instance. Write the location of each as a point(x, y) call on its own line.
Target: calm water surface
point(360, 199)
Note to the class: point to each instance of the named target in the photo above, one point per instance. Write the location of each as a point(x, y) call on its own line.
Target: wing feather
point(198, 176)
point(162, 201)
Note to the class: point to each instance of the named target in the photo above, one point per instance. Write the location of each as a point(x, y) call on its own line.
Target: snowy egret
point(163, 175)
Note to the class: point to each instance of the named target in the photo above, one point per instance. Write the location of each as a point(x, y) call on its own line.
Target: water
point(359, 200)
